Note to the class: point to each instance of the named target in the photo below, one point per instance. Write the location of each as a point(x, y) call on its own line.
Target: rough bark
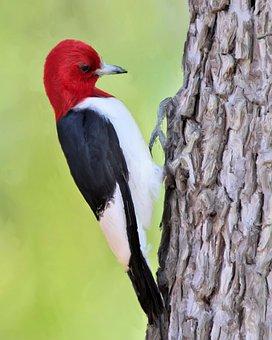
point(216, 249)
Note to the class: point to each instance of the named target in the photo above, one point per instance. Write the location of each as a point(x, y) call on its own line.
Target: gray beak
point(109, 69)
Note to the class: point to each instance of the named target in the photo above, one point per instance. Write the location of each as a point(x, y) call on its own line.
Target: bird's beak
point(109, 69)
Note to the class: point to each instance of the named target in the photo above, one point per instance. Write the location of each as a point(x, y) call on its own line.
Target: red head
point(70, 72)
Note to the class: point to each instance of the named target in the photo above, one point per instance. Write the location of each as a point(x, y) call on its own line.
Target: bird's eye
point(85, 68)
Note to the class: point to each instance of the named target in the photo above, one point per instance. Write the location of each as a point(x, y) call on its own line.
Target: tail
point(146, 288)
point(139, 272)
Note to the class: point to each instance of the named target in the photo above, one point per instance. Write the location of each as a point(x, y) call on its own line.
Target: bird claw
point(154, 135)
point(157, 132)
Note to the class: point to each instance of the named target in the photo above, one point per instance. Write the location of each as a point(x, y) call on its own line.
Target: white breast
point(144, 176)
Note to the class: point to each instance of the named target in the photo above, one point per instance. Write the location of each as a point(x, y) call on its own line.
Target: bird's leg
point(157, 132)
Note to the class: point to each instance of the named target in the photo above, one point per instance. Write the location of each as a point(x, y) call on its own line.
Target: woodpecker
point(108, 159)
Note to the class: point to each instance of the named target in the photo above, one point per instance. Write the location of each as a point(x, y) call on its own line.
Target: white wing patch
point(113, 225)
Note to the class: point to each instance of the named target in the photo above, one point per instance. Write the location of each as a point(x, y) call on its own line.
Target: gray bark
point(216, 249)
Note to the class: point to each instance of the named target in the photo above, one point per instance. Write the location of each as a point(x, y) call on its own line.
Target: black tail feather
point(140, 275)
point(146, 288)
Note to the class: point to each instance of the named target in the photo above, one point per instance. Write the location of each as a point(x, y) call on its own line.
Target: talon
point(153, 137)
point(162, 139)
point(157, 132)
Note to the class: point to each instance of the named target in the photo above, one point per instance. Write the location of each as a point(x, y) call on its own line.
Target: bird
point(108, 159)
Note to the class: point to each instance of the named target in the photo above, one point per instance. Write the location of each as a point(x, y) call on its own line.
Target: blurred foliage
point(58, 278)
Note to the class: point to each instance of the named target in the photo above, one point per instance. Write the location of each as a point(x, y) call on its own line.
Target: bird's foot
point(157, 132)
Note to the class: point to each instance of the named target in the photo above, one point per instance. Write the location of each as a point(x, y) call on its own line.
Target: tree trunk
point(216, 249)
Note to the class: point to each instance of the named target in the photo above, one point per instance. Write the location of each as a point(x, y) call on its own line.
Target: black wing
point(94, 156)
point(97, 164)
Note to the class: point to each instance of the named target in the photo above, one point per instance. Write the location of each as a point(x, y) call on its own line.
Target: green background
point(58, 279)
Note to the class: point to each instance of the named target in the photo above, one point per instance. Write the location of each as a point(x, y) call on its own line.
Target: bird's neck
point(67, 101)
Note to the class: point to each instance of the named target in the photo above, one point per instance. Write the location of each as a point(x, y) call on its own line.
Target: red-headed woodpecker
point(108, 159)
